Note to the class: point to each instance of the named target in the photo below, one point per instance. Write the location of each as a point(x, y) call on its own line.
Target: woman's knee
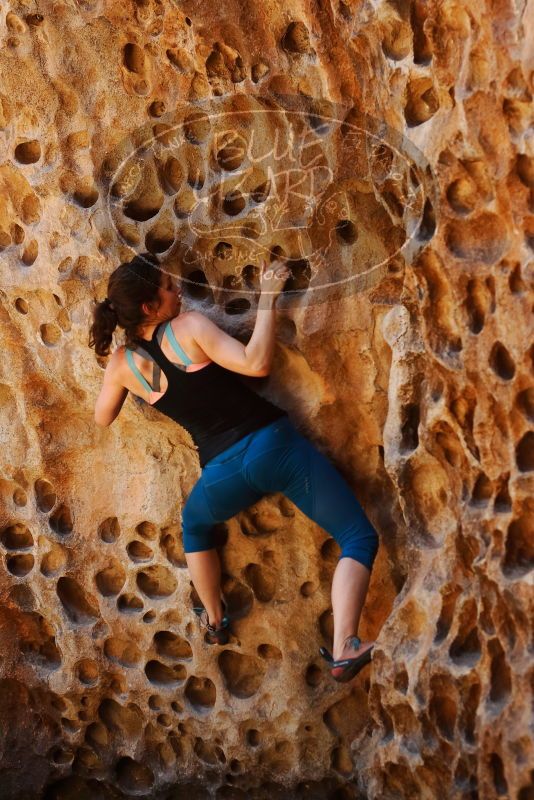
point(359, 541)
point(197, 523)
point(198, 539)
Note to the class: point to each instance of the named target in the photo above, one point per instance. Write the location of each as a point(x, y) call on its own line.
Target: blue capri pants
point(277, 458)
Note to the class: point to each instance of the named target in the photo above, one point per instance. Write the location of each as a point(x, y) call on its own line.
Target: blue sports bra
point(161, 332)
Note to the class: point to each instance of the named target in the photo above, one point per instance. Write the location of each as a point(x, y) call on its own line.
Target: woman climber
point(185, 366)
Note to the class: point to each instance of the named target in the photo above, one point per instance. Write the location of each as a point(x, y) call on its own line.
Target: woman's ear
point(147, 309)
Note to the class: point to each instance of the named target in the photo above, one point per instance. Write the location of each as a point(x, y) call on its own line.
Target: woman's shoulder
point(117, 359)
point(186, 323)
point(185, 318)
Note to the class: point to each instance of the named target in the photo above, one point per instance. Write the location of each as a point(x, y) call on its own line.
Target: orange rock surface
point(385, 149)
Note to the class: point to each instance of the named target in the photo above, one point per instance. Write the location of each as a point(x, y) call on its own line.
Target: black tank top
point(211, 403)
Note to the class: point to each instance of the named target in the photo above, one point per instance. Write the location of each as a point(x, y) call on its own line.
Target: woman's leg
point(349, 589)
point(200, 552)
point(291, 464)
point(205, 571)
point(219, 493)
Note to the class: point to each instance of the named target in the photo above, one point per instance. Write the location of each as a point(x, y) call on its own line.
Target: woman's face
point(169, 294)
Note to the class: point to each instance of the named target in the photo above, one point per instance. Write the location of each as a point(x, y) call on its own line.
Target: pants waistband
point(238, 447)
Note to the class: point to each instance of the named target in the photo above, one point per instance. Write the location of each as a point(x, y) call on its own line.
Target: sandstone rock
point(385, 150)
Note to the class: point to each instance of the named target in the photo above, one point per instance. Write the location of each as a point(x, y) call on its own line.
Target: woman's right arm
point(256, 356)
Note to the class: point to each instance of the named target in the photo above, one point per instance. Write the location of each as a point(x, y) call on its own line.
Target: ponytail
point(104, 324)
point(129, 286)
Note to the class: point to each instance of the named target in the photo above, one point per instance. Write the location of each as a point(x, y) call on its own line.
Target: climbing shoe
point(214, 635)
point(347, 668)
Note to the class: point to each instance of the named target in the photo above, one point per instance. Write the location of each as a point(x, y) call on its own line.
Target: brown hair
point(129, 286)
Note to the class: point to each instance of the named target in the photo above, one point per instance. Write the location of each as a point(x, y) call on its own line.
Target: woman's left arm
point(112, 395)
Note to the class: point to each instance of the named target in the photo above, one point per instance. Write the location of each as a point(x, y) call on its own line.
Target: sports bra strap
point(136, 371)
point(167, 329)
point(174, 344)
point(156, 369)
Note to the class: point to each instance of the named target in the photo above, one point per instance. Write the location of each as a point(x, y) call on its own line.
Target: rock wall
point(385, 149)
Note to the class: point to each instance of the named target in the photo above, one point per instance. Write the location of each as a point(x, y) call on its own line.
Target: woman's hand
point(273, 277)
